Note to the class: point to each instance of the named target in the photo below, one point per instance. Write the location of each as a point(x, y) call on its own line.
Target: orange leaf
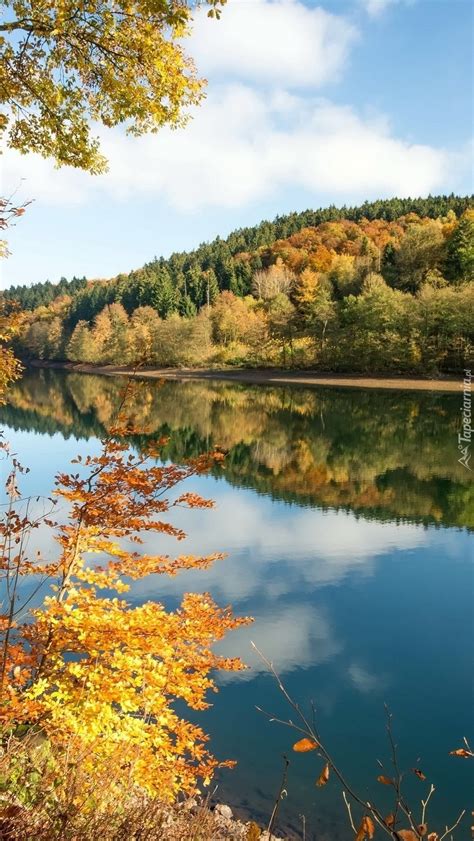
point(305, 745)
point(369, 826)
point(407, 835)
point(419, 773)
point(422, 829)
point(466, 754)
point(390, 819)
point(366, 829)
point(323, 777)
point(386, 781)
point(361, 833)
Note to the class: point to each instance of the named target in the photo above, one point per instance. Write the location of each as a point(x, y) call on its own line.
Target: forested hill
point(177, 274)
point(382, 287)
point(43, 294)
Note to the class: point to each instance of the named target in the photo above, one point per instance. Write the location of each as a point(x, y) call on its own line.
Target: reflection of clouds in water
point(364, 680)
point(259, 524)
point(293, 636)
point(279, 555)
point(275, 549)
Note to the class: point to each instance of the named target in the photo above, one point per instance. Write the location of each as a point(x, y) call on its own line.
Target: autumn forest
point(385, 287)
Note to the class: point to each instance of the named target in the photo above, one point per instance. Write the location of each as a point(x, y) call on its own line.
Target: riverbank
point(265, 376)
point(184, 819)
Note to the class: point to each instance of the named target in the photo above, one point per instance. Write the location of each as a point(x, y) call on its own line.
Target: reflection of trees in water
point(383, 454)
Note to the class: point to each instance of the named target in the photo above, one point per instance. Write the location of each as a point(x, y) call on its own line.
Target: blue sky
point(307, 104)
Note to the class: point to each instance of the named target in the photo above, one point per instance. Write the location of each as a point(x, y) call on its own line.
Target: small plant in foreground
point(371, 817)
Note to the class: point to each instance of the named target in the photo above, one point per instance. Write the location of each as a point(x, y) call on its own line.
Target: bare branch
point(349, 810)
point(453, 827)
point(424, 803)
point(313, 734)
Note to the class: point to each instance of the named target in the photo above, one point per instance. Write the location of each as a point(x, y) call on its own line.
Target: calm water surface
point(346, 518)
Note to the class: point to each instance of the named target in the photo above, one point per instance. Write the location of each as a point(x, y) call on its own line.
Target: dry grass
point(145, 820)
point(50, 798)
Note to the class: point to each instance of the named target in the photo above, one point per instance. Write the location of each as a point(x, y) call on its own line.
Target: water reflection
point(386, 455)
point(329, 507)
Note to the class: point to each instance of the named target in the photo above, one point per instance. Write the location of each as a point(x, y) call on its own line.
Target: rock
point(265, 836)
point(224, 811)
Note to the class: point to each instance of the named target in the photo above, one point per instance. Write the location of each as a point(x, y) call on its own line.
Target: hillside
point(381, 287)
point(216, 254)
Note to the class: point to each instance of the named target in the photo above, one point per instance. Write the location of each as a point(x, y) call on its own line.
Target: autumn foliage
point(65, 66)
point(371, 296)
point(96, 677)
point(10, 367)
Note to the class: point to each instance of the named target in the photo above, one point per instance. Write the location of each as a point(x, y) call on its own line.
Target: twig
point(349, 810)
point(279, 796)
point(424, 803)
point(468, 746)
point(450, 829)
point(303, 821)
point(314, 735)
point(399, 802)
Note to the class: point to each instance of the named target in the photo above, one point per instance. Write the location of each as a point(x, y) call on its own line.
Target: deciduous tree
point(67, 64)
point(277, 279)
point(97, 677)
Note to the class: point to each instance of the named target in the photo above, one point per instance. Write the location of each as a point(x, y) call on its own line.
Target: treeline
point(381, 329)
point(188, 279)
point(372, 296)
point(43, 294)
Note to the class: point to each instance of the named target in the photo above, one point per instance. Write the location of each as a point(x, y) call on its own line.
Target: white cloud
point(374, 8)
point(279, 42)
point(243, 146)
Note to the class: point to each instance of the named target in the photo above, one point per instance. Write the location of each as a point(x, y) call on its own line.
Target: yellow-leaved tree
point(91, 678)
point(9, 366)
point(67, 63)
point(89, 682)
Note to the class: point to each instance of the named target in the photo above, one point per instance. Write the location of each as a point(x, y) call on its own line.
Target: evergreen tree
point(460, 256)
point(165, 296)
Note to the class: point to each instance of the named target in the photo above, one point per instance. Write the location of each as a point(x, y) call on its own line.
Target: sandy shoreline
point(265, 376)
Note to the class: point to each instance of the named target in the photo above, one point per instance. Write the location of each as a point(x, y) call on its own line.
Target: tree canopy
point(68, 63)
point(357, 293)
point(188, 280)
